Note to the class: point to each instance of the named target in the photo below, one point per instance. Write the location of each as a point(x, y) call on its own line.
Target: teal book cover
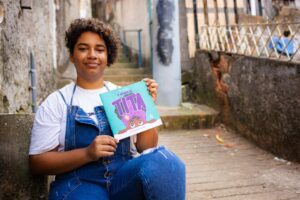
point(130, 110)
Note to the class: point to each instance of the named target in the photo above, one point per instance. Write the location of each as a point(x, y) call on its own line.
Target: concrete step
point(187, 116)
point(123, 59)
point(127, 78)
point(125, 71)
point(124, 65)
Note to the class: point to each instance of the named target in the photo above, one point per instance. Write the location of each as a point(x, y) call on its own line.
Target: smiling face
point(90, 59)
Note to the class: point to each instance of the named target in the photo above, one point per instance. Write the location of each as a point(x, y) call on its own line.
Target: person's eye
point(82, 49)
point(100, 50)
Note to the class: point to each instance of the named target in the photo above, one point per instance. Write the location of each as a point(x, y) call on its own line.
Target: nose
point(92, 54)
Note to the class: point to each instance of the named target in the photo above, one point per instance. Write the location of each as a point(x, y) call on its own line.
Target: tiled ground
point(233, 170)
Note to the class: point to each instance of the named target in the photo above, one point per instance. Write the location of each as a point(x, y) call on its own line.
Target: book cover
point(130, 110)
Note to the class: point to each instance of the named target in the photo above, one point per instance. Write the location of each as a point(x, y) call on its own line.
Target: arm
point(149, 138)
point(54, 162)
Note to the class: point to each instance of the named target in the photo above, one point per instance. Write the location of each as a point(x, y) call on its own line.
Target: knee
point(162, 175)
point(163, 162)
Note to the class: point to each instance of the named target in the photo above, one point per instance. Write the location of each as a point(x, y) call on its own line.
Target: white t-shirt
point(49, 128)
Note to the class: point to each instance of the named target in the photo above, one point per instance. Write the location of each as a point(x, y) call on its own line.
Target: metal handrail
point(259, 40)
point(139, 36)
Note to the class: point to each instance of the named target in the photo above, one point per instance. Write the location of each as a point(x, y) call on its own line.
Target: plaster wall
point(259, 98)
point(23, 31)
point(17, 181)
point(133, 15)
point(66, 11)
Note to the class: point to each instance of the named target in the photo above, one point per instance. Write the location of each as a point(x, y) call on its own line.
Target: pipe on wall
point(33, 82)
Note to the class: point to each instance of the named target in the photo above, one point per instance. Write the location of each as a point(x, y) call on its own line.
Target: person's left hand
point(152, 86)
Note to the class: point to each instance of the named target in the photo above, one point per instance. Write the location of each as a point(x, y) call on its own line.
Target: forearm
point(147, 139)
point(54, 162)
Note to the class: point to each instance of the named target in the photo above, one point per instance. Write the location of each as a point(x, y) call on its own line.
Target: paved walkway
point(233, 170)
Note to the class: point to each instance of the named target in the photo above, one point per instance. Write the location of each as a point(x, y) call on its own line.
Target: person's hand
point(102, 146)
point(152, 87)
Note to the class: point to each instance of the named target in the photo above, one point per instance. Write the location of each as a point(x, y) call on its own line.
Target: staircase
point(124, 73)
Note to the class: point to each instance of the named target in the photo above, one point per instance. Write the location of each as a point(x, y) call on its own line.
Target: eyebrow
point(85, 44)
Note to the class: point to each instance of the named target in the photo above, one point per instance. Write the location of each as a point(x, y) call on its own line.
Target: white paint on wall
point(136, 19)
point(85, 9)
point(166, 62)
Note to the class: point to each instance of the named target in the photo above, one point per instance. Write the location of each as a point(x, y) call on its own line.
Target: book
point(130, 110)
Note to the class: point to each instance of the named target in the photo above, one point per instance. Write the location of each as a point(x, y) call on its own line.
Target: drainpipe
point(140, 60)
point(33, 82)
point(150, 32)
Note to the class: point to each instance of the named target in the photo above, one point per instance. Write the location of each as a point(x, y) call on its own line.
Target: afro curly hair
point(79, 26)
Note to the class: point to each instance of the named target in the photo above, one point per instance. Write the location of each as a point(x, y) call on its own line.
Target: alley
point(233, 170)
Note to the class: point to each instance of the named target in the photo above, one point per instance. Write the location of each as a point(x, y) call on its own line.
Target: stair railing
point(139, 42)
point(260, 40)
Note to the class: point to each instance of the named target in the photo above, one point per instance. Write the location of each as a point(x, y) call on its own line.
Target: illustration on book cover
point(130, 110)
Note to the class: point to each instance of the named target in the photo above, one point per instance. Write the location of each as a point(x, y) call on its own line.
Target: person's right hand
point(102, 146)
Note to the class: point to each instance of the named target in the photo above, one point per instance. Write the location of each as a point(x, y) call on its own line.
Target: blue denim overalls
point(93, 177)
point(153, 176)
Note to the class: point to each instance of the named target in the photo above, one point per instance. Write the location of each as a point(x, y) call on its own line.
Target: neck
point(90, 85)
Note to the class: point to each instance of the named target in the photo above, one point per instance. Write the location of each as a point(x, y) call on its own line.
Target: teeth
point(92, 65)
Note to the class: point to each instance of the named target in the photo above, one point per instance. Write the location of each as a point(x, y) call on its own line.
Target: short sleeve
point(46, 126)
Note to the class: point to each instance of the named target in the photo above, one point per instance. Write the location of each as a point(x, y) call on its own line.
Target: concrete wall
point(66, 11)
point(259, 98)
point(186, 63)
point(133, 15)
point(138, 18)
point(39, 30)
point(22, 31)
point(16, 180)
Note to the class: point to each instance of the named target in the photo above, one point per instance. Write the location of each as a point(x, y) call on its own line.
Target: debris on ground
point(219, 139)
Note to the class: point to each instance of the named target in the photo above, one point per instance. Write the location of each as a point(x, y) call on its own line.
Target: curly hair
point(79, 26)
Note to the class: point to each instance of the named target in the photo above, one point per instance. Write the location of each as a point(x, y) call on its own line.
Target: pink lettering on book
point(131, 109)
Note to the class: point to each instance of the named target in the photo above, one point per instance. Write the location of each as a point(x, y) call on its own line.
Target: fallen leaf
point(219, 139)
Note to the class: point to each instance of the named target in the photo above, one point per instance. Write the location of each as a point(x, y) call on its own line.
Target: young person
point(284, 45)
point(71, 137)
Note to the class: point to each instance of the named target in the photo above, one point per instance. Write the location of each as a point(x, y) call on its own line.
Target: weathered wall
point(16, 180)
point(139, 19)
point(66, 11)
point(259, 98)
point(133, 15)
point(23, 31)
point(186, 63)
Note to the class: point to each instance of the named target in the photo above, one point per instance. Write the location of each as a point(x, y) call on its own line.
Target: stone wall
point(23, 31)
point(16, 180)
point(66, 11)
point(257, 97)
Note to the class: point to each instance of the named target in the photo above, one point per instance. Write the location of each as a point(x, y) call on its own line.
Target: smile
point(92, 64)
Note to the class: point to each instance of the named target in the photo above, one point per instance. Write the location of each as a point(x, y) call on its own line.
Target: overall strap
point(73, 94)
point(107, 88)
point(62, 96)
